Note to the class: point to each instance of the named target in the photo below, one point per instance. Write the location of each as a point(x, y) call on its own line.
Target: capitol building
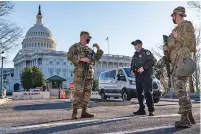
point(39, 49)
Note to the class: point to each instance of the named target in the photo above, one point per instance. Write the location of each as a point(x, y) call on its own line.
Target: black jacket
point(144, 58)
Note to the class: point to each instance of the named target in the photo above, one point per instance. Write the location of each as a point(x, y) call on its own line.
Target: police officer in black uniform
point(142, 66)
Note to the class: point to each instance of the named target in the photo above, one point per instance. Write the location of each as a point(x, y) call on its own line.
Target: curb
point(169, 99)
point(175, 100)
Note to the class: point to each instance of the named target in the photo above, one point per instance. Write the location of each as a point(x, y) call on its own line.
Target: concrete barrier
point(30, 95)
point(54, 93)
point(95, 95)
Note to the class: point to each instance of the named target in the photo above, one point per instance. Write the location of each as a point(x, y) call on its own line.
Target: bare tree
point(194, 4)
point(10, 33)
point(158, 51)
point(196, 56)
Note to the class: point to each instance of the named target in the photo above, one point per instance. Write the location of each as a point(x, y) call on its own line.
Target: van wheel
point(156, 100)
point(103, 97)
point(125, 96)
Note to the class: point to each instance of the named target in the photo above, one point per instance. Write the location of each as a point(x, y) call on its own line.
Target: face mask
point(136, 48)
point(87, 40)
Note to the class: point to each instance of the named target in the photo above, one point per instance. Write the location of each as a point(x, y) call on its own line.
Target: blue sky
point(123, 22)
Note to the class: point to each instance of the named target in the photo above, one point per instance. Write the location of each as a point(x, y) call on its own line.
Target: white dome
point(39, 30)
point(39, 36)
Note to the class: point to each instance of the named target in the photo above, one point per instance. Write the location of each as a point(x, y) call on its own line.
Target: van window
point(111, 74)
point(102, 76)
point(127, 70)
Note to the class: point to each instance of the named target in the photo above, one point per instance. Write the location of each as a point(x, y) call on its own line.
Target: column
point(36, 62)
point(24, 64)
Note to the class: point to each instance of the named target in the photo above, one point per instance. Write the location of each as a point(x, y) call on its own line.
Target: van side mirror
point(121, 78)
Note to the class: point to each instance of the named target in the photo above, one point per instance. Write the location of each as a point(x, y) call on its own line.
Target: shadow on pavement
point(60, 105)
point(161, 131)
point(68, 127)
point(165, 104)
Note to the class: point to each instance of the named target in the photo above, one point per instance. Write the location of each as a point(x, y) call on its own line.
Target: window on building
point(38, 44)
point(57, 62)
point(64, 72)
point(71, 73)
point(64, 63)
point(39, 61)
point(58, 71)
point(50, 62)
point(50, 71)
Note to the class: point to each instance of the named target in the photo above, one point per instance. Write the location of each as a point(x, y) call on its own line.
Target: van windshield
point(128, 72)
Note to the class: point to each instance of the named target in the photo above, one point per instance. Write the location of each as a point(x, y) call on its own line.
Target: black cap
point(136, 42)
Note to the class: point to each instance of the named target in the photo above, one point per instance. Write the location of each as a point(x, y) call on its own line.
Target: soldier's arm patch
point(148, 53)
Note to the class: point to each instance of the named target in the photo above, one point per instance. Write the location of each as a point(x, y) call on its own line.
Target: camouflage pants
point(81, 97)
point(185, 104)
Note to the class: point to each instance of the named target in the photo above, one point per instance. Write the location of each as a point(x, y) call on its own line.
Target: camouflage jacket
point(78, 51)
point(185, 39)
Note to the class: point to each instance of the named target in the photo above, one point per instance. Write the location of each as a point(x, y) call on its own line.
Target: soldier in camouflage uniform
point(80, 55)
point(181, 41)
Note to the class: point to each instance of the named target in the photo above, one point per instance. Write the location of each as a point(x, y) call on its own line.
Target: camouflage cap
point(136, 42)
point(85, 32)
point(179, 9)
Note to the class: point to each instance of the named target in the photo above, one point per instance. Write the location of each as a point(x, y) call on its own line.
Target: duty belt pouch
point(183, 67)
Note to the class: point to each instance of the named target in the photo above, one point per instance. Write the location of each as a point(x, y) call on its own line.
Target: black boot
point(74, 115)
point(192, 120)
point(151, 113)
point(184, 121)
point(140, 112)
point(85, 114)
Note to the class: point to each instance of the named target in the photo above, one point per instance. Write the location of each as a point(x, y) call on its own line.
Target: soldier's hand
point(84, 60)
point(165, 48)
point(140, 70)
point(96, 45)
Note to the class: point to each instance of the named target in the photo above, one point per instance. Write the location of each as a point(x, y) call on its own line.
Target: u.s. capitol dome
point(39, 36)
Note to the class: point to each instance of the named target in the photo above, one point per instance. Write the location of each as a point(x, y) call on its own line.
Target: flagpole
point(108, 44)
point(108, 49)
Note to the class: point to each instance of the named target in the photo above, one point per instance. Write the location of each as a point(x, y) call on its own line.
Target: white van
point(120, 83)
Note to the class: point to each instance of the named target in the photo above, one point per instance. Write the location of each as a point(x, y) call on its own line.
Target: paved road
point(53, 116)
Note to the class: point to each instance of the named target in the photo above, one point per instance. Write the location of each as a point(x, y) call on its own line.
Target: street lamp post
point(1, 86)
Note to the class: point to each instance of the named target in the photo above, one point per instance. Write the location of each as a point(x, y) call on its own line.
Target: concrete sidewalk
point(4, 100)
